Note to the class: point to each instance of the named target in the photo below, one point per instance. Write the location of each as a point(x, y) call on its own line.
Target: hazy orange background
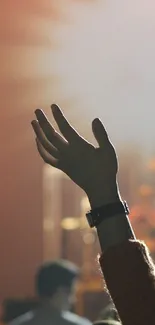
point(93, 58)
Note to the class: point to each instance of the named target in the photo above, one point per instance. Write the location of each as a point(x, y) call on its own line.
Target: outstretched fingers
point(100, 133)
point(48, 159)
point(43, 140)
point(54, 137)
point(66, 129)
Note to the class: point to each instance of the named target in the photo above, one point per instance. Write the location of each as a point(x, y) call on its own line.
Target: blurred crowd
point(56, 286)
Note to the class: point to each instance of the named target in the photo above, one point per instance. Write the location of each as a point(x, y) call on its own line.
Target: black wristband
point(97, 215)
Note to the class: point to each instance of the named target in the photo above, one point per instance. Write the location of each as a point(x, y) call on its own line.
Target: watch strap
point(97, 215)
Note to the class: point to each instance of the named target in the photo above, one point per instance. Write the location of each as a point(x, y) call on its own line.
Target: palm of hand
point(87, 165)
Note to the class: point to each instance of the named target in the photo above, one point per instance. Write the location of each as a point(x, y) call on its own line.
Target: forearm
point(113, 230)
point(127, 268)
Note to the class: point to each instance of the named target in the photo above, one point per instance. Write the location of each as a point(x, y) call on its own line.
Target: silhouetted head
point(55, 282)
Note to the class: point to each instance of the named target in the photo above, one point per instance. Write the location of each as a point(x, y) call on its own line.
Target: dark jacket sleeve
point(129, 274)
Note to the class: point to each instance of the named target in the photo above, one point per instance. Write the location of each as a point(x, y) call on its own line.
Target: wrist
point(100, 197)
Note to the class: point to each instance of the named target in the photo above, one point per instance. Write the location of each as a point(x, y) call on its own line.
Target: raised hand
point(93, 169)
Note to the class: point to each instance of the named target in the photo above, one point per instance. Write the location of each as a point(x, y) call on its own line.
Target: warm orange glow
point(151, 165)
point(146, 190)
point(70, 223)
point(94, 58)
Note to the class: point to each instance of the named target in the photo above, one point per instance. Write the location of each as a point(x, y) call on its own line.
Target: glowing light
point(70, 223)
point(97, 59)
point(80, 58)
point(89, 238)
point(105, 64)
point(85, 206)
point(151, 165)
point(146, 190)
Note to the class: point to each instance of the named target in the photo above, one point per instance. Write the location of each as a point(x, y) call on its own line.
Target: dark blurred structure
point(92, 302)
point(13, 308)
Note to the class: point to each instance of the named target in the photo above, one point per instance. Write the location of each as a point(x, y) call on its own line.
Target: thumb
point(100, 133)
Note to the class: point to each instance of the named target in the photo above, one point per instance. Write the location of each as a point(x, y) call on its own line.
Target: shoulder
point(24, 319)
point(75, 319)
